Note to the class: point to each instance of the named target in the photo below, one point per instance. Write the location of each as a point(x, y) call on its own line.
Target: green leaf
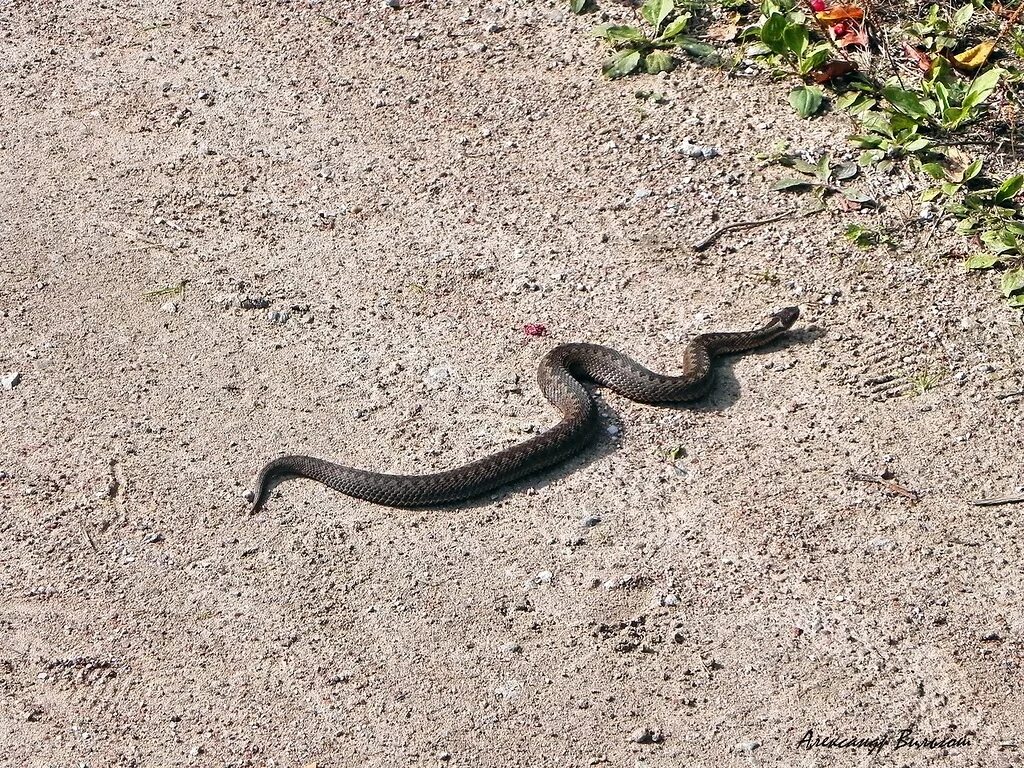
point(813, 59)
point(618, 33)
point(973, 202)
point(935, 170)
point(941, 91)
point(966, 226)
point(865, 141)
point(1012, 282)
point(699, 51)
point(907, 102)
point(675, 27)
point(999, 240)
point(845, 171)
point(869, 157)
point(846, 100)
point(982, 88)
point(953, 116)
point(876, 122)
point(862, 237)
point(855, 103)
point(577, 6)
point(792, 185)
point(798, 164)
point(981, 261)
point(917, 145)
point(806, 100)
point(656, 11)
point(973, 169)
point(930, 194)
point(1009, 188)
point(658, 61)
point(962, 16)
point(621, 64)
point(856, 196)
point(772, 32)
point(1016, 301)
point(823, 170)
point(795, 39)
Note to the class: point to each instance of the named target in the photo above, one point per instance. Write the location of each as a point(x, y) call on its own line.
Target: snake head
point(784, 318)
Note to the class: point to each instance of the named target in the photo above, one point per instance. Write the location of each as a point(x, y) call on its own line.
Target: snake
point(561, 374)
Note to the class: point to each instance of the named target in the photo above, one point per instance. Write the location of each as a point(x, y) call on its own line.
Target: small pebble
point(645, 735)
point(437, 376)
point(11, 380)
point(590, 521)
point(280, 317)
point(670, 600)
point(395, 4)
point(544, 577)
point(253, 302)
point(169, 307)
point(745, 747)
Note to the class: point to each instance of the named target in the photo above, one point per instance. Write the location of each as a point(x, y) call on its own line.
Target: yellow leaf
point(972, 58)
point(841, 13)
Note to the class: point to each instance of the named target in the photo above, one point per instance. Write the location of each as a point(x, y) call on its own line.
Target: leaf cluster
point(650, 50)
point(822, 178)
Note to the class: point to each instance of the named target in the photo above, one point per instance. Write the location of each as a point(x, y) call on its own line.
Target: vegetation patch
point(937, 94)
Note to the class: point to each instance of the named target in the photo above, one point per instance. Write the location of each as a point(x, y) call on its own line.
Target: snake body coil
point(560, 374)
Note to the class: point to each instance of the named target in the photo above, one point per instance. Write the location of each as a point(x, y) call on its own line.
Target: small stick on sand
point(997, 502)
point(707, 241)
point(889, 485)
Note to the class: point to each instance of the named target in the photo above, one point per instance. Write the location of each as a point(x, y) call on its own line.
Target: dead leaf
point(832, 70)
point(724, 31)
point(922, 59)
point(841, 13)
point(956, 162)
point(972, 58)
point(855, 35)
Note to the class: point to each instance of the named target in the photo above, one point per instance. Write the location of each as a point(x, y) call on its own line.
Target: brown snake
point(560, 374)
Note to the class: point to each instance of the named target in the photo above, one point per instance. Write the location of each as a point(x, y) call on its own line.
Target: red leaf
point(922, 59)
point(855, 35)
point(832, 70)
point(535, 329)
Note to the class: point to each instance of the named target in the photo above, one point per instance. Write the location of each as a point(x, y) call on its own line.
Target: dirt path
point(367, 205)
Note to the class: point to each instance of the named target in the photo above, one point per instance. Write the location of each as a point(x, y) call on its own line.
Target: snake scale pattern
point(561, 374)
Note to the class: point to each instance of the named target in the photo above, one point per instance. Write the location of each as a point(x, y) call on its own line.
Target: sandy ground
point(406, 189)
